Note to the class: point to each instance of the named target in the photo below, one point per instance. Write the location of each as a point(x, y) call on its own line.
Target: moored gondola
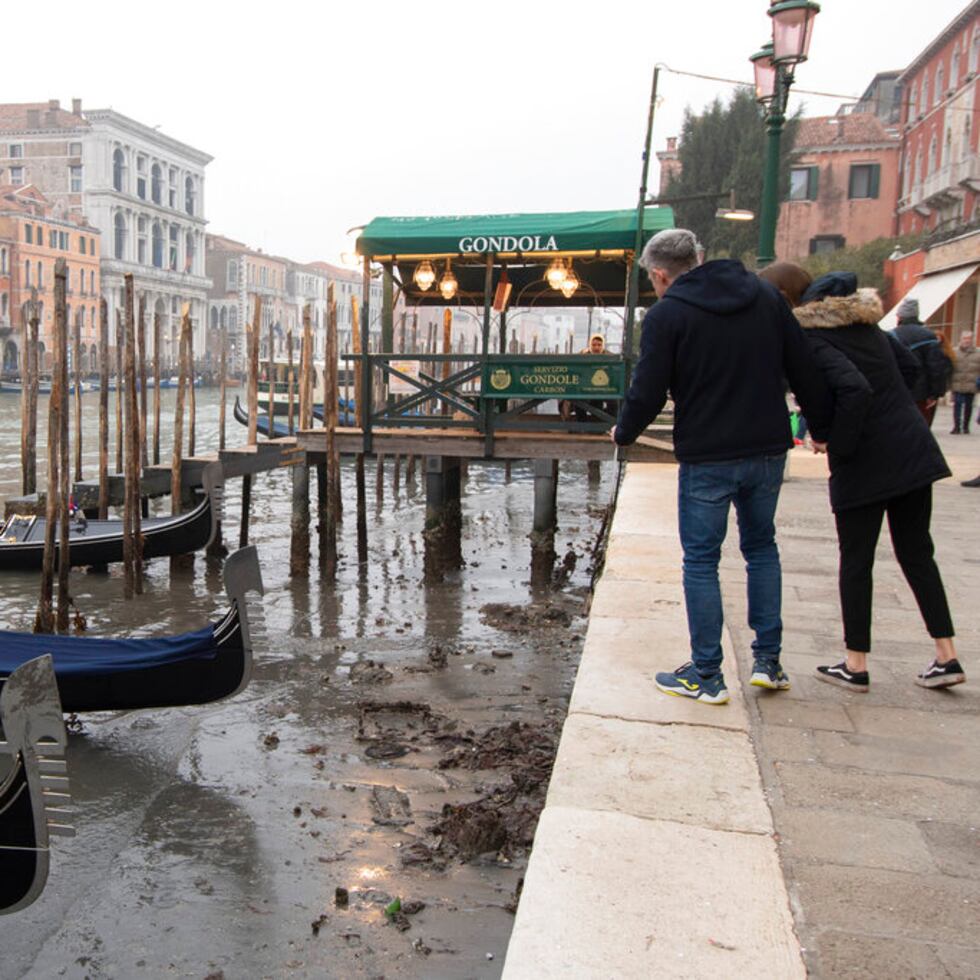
point(101, 542)
point(33, 781)
point(99, 674)
point(261, 422)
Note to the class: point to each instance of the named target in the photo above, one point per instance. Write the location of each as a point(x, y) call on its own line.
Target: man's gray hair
point(674, 251)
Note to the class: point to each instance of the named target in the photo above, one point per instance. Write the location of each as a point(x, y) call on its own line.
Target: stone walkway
point(875, 797)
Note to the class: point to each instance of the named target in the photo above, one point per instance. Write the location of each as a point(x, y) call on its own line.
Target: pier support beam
point(443, 519)
point(299, 542)
point(545, 520)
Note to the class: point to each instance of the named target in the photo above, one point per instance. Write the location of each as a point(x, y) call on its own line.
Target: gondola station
point(492, 403)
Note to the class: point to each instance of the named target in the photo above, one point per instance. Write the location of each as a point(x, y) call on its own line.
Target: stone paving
point(875, 797)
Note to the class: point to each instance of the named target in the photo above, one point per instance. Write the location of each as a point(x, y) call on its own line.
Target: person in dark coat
point(720, 341)
point(883, 460)
point(934, 367)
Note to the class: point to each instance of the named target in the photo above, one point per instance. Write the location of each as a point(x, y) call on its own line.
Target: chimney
point(671, 143)
point(54, 105)
point(76, 107)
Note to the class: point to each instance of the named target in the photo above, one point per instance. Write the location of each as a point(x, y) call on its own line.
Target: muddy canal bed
point(365, 807)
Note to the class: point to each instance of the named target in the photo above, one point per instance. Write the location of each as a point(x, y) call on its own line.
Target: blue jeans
point(705, 491)
point(962, 409)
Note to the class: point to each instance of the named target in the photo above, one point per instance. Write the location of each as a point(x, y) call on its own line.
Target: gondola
point(99, 674)
point(33, 781)
point(279, 429)
point(101, 542)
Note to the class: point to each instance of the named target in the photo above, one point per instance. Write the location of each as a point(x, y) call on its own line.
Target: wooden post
point(119, 393)
point(222, 385)
point(253, 409)
point(299, 538)
point(176, 476)
point(29, 401)
point(447, 348)
point(64, 474)
point(270, 371)
point(141, 372)
point(329, 519)
point(132, 538)
point(379, 477)
point(156, 388)
point(291, 383)
point(104, 410)
point(192, 392)
point(357, 329)
point(77, 357)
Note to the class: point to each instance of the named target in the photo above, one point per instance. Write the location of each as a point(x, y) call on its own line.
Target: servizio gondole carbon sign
point(553, 377)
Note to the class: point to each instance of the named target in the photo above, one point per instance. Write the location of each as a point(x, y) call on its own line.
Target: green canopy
point(572, 231)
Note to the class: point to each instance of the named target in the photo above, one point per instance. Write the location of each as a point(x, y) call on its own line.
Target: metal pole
point(633, 291)
point(769, 212)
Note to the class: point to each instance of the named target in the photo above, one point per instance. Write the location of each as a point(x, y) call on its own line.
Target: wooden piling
point(253, 409)
point(119, 393)
point(447, 348)
point(141, 374)
point(330, 517)
point(29, 401)
point(156, 388)
point(299, 525)
point(103, 410)
point(362, 417)
point(176, 476)
point(270, 372)
point(132, 537)
point(77, 358)
point(192, 393)
point(222, 385)
point(290, 383)
point(64, 474)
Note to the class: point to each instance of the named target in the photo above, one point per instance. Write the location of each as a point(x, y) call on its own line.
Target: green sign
point(559, 376)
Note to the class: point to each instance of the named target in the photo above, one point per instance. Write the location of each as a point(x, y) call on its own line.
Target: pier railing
point(492, 393)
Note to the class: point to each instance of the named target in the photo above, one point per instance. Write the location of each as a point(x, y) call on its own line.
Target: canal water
point(394, 744)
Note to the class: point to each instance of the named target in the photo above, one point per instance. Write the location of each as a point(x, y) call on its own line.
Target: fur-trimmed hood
point(864, 306)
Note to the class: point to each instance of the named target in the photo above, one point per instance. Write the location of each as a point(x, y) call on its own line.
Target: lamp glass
point(448, 285)
point(570, 284)
point(792, 28)
point(556, 273)
point(424, 275)
point(765, 74)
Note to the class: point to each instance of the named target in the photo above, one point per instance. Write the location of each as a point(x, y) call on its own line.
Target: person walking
point(721, 341)
point(883, 461)
point(934, 367)
point(966, 378)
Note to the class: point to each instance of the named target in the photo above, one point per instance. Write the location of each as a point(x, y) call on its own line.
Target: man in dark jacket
point(721, 341)
point(934, 366)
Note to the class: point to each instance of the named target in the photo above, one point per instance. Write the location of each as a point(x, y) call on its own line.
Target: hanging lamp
point(424, 275)
point(448, 284)
point(570, 283)
point(556, 273)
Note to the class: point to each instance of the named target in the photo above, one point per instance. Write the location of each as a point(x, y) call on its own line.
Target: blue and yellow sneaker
point(686, 682)
point(768, 674)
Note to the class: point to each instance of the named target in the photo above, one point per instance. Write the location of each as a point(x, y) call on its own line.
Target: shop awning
point(572, 231)
point(932, 290)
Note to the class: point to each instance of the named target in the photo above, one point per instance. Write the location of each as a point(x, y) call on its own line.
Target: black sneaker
point(975, 482)
point(941, 675)
point(853, 680)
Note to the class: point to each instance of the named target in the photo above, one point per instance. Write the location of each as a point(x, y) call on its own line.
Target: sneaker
point(686, 682)
point(768, 674)
point(853, 680)
point(941, 675)
point(975, 482)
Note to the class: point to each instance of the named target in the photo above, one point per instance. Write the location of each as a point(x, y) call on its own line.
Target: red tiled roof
point(14, 118)
point(856, 129)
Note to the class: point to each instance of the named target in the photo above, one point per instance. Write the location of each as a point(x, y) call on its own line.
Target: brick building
point(34, 234)
point(843, 185)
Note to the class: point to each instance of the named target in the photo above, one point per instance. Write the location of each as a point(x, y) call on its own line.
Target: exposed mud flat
point(366, 806)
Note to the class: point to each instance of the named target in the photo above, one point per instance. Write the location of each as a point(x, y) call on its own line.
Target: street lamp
point(774, 64)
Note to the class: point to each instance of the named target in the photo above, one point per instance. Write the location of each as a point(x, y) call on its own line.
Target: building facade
point(940, 173)
point(141, 188)
point(34, 234)
point(843, 185)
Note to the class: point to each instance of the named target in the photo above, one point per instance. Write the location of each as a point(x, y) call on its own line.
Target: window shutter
point(813, 184)
point(874, 180)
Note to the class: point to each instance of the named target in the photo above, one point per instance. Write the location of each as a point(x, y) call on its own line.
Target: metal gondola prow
point(243, 574)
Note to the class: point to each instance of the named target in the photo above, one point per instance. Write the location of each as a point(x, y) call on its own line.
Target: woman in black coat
point(883, 460)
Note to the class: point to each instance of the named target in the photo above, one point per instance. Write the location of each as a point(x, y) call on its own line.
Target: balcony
point(947, 184)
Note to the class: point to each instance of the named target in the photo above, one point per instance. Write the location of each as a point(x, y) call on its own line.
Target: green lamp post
point(774, 65)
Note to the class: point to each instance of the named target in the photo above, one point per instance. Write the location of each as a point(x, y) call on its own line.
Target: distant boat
point(101, 542)
point(99, 674)
point(44, 387)
point(34, 790)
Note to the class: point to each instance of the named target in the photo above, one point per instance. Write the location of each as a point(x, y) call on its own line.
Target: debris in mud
point(511, 906)
point(420, 947)
point(419, 853)
point(385, 749)
point(437, 657)
point(515, 618)
point(532, 747)
point(314, 749)
point(412, 908)
point(390, 807)
point(320, 920)
point(271, 741)
point(484, 668)
point(370, 672)
point(501, 654)
point(341, 897)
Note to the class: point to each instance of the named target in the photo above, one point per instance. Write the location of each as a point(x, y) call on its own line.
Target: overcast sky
point(322, 116)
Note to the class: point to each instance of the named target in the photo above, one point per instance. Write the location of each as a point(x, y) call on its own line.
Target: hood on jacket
point(864, 306)
point(722, 286)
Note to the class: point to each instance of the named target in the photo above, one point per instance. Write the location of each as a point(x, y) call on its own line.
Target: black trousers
point(857, 534)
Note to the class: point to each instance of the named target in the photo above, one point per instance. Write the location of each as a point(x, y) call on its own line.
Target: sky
point(322, 116)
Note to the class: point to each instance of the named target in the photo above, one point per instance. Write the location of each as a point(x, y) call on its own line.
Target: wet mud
point(366, 806)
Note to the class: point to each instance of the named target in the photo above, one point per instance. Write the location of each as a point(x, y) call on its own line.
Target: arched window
point(118, 169)
point(4, 305)
point(214, 317)
point(933, 155)
point(3, 261)
point(975, 51)
point(189, 195)
point(940, 85)
point(27, 272)
point(156, 184)
point(157, 245)
point(954, 70)
point(926, 94)
point(40, 274)
point(189, 252)
point(224, 317)
point(119, 243)
point(80, 318)
point(965, 148)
